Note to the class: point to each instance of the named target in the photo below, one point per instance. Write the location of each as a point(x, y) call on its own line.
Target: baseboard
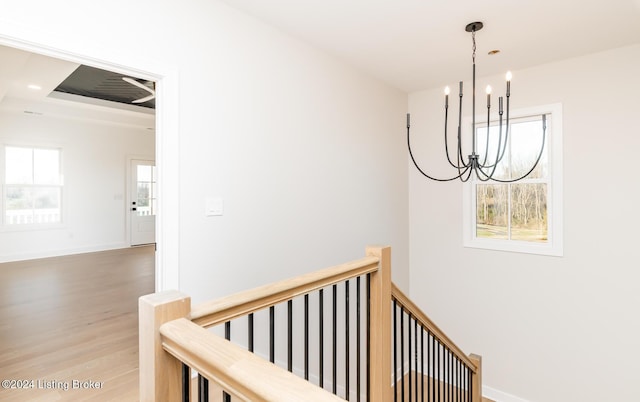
point(500, 396)
point(59, 253)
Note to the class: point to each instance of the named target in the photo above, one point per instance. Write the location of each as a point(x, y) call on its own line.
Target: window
point(146, 188)
point(524, 216)
point(33, 186)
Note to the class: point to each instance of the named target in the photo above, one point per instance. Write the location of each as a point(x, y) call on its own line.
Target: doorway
point(167, 130)
point(142, 204)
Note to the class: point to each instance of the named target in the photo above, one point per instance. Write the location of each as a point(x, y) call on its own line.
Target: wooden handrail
point(422, 318)
point(239, 372)
point(171, 332)
point(218, 311)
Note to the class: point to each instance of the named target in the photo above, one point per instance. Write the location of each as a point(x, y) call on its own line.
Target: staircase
point(342, 333)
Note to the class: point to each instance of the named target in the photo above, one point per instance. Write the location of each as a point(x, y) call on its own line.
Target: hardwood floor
point(72, 321)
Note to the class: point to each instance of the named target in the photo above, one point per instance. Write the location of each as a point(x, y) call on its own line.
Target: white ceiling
point(19, 69)
point(419, 44)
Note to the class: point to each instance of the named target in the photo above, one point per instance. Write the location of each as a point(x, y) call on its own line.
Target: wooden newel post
point(380, 313)
point(160, 373)
point(476, 380)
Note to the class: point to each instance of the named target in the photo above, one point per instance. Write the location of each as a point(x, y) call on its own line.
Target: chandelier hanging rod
point(484, 171)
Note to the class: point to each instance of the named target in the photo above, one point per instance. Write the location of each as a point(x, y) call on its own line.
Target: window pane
point(19, 198)
point(19, 165)
point(488, 151)
point(526, 140)
point(146, 190)
point(143, 194)
point(33, 205)
point(19, 205)
point(491, 214)
point(46, 166)
point(46, 204)
point(529, 212)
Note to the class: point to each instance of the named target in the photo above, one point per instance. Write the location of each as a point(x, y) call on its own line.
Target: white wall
point(304, 152)
point(302, 148)
point(549, 328)
point(94, 168)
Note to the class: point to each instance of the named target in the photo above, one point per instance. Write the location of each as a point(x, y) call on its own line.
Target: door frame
point(83, 51)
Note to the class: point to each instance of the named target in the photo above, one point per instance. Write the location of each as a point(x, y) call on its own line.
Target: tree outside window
point(523, 215)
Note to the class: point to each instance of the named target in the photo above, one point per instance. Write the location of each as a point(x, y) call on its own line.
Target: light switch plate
point(214, 206)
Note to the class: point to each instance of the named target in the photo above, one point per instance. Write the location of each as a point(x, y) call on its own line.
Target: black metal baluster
point(444, 374)
point(436, 374)
point(335, 340)
point(467, 381)
point(445, 362)
point(415, 371)
point(203, 384)
point(186, 382)
point(203, 389)
point(346, 340)
point(290, 335)
point(451, 375)
point(458, 365)
point(250, 329)
point(409, 356)
point(272, 334)
point(464, 374)
point(422, 363)
point(358, 365)
point(321, 337)
point(470, 383)
point(306, 337)
point(454, 360)
point(438, 368)
point(402, 353)
point(395, 351)
point(429, 364)
point(368, 337)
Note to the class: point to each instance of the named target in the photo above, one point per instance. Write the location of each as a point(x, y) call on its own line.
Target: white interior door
point(142, 204)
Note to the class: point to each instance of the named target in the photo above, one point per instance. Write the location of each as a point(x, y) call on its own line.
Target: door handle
point(134, 209)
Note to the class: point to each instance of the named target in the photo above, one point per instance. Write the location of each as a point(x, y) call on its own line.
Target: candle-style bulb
point(446, 97)
point(447, 90)
point(488, 96)
point(508, 83)
point(509, 76)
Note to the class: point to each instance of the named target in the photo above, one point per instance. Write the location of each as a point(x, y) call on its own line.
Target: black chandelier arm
point(495, 165)
point(460, 157)
point(446, 139)
point(500, 152)
point(459, 176)
point(506, 130)
point(469, 171)
point(544, 135)
point(484, 177)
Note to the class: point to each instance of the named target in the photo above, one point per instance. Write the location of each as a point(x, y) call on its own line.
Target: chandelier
point(484, 169)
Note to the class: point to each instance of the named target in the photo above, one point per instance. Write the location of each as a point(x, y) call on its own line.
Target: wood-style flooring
point(73, 321)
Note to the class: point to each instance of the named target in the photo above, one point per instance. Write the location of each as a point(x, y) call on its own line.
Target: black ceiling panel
point(101, 84)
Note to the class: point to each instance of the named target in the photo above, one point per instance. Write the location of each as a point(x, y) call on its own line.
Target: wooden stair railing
point(173, 339)
point(454, 378)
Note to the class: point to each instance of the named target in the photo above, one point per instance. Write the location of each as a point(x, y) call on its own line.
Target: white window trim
point(554, 245)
